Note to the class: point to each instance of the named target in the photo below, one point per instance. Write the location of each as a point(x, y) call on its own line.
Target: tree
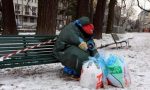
point(0, 18)
point(47, 14)
point(8, 15)
point(83, 8)
point(69, 8)
point(142, 7)
point(127, 13)
point(99, 18)
point(91, 5)
point(137, 25)
point(0, 7)
point(110, 20)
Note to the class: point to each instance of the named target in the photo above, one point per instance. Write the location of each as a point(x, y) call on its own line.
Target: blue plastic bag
point(118, 74)
point(100, 59)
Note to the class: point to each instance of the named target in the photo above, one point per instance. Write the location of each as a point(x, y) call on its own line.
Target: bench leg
point(121, 44)
point(125, 43)
point(117, 45)
point(128, 43)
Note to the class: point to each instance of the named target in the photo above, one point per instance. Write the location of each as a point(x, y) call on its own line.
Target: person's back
point(71, 47)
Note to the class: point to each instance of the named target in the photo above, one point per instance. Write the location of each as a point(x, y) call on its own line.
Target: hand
point(83, 46)
point(91, 45)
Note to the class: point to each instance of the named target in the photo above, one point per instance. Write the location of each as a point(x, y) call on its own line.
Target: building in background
point(117, 27)
point(144, 21)
point(26, 13)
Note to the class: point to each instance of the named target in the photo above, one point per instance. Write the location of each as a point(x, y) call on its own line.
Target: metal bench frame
point(117, 40)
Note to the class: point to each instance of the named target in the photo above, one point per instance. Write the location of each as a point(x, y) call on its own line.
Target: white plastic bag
point(91, 75)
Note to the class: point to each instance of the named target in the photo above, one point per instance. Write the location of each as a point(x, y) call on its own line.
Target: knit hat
point(88, 28)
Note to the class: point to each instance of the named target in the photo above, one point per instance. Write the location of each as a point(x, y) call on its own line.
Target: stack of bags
point(99, 72)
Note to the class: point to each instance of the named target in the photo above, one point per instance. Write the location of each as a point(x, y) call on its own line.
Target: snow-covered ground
point(49, 77)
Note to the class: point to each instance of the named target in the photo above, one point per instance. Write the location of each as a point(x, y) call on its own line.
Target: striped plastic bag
point(91, 75)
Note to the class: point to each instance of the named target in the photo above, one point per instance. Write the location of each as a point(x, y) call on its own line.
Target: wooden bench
point(118, 40)
point(35, 56)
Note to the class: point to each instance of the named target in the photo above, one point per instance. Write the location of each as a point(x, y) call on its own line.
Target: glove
point(83, 46)
point(91, 45)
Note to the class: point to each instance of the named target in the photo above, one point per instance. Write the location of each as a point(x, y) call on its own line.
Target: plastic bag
point(91, 75)
point(100, 59)
point(127, 79)
point(117, 72)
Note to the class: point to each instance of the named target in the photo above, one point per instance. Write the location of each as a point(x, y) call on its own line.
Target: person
point(75, 45)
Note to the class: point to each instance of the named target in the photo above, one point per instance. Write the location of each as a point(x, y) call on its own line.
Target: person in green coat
point(75, 44)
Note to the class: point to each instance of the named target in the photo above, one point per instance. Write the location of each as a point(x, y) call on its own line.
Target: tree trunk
point(110, 19)
point(99, 18)
point(0, 7)
point(8, 15)
point(83, 8)
point(47, 14)
point(1, 18)
point(91, 10)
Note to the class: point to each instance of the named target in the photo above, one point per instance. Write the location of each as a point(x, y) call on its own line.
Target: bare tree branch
point(129, 12)
point(142, 7)
point(124, 2)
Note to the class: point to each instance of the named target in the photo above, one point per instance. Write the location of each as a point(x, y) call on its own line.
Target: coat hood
point(84, 20)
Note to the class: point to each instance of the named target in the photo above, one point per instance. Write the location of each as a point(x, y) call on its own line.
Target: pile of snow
point(49, 77)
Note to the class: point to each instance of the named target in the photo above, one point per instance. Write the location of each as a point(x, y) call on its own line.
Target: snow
point(49, 77)
point(33, 33)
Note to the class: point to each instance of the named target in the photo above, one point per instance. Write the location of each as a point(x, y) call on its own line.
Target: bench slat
point(35, 56)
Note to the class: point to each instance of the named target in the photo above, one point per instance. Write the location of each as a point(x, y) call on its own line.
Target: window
point(34, 10)
point(16, 17)
point(17, 7)
point(25, 19)
point(146, 13)
point(32, 20)
point(27, 8)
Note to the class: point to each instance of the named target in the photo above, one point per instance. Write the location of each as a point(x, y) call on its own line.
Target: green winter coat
point(66, 47)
